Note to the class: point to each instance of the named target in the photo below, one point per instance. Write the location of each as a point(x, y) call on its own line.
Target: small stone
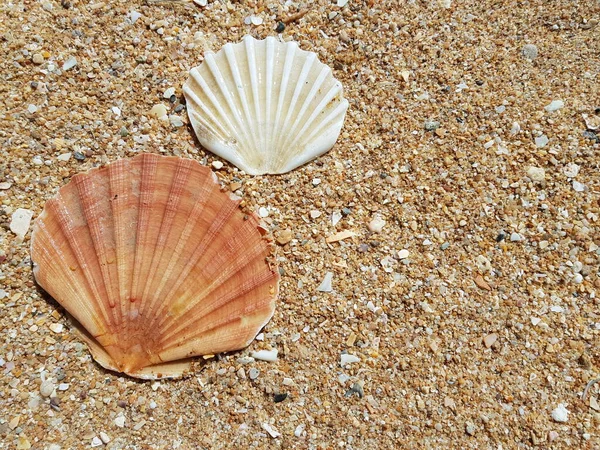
point(578, 187)
point(346, 212)
point(278, 398)
point(46, 388)
point(403, 254)
point(560, 413)
point(176, 121)
point(578, 278)
point(96, 441)
point(342, 3)
point(79, 156)
point(169, 93)
point(217, 165)
point(265, 355)
point(470, 428)
point(37, 58)
point(431, 125)
point(445, 246)
point(530, 51)
point(541, 141)
point(56, 327)
point(536, 174)
point(356, 388)
point(346, 358)
point(571, 170)
point(284, 236)
point(554, 105)
point(515, 237)
point(20, 222)
point(376, 224)
point(159, 111)
point(253, 373)
point(64, 156)
point(314, 214)
point(23, 443)
point(316, 181)
point(299, 430)
point(535, 321)
point(481, 283)
point(32, 109)
point(280, 27)
point(263, 212)
point(69, 63)
point(325, 285)
point(104, 437)
point(256, 20)
point(14, 422)
point(120, 421)
point(490, 340)
point(134, 16)
point(5, 185)
point(272, 431)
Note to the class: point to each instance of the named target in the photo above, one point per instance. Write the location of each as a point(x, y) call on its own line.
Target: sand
point(466, 181)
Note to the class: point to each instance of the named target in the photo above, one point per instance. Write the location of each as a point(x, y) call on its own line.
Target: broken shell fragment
point(155, 264)
point(266, 106)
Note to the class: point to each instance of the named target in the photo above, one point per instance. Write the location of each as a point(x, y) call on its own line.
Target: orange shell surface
point(155, 263)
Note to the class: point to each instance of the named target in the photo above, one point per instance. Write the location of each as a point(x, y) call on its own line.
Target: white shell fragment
point(20, 221)
point(325, 285)
point(266, 106)
point(554, 105)
point(560, 413)
point(265, 355)
point(348, 359)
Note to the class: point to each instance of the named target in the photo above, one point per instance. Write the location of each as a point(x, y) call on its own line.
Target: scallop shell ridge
point(155, 264)
point(264, 105)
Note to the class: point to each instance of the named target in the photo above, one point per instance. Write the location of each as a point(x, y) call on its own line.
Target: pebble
point(64, 156)
point(278, 398)
point(201, 2)
point(316, 181)
point(299, 430)
point(578, 187)
point(284, 236)
point(253, 373)
point(69, 63)
point(325, 285)
point(169, 93)
point(56, 327)
point(315, 214)
point(79, 156)
point(5, 185)
point(560, 413)
point(376, 224)
point(515, 237)
point(431, 125)
point(96, 441)
point(578, 278)
point(32, 109)
point(470, 428)
point(342, 3)
point(20, 222)
point(46, 388)
point(346, 358)
point(490, 340)
point(265, 355)
point(356, 388)
point(37, 58)
point(530, 51)
point(571, 170)
point(134, 16)
point(217, 165)
point(263, 212)
point(403, 254)
point(554, 105)
point(272, 431)
point(159, 111)
point(120, 421)
point(536, 173)
point(541, 141)
point(104, 437)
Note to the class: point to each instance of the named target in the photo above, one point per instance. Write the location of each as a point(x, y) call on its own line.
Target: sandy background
point(472, 341)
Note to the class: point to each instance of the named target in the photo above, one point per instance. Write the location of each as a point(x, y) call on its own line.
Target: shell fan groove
point(264, 105)
point(155, 264)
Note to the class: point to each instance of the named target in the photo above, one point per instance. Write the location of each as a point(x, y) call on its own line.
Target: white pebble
point(342, 3)
point(116, 111)
point(217, 165)
point(96, 441)
point(560, 413)
point(554, 105)
point(530, 51)
point(541, 141)
point(536, 173)
point(20, 221)
point(403, 254)
point(64, 157)
point(46, 388)
point(63, 386)
point(176, 120)
point(578, 278)
point(299, 430)
point(335, 218)
point(256, 20)
point(535, 321)
point(32, 108)
point(348, 359)
point(37, 160)
point(159, 111)
point(325, 285)
point(265, 355)
point(516, 128)
point(56, 327)
point(571, 170)
point(315, 213)
point(376, 224)
point(134, 16)
point(201, 2)
point(169, 92)
point(104, 437)
point(263, 212)
point(120, 421)
point(272, 431)
point(579, 187)
point(515, 237)
point(69, 63)
point(316, 181)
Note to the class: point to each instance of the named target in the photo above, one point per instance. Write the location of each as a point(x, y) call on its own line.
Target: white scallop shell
point(265, 106)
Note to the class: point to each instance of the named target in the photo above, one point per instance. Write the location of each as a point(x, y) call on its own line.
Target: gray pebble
point(515, 237)
point(432, 125)
point(253, 373)
point(470, 428)
point(530, 51)
point(78, 156)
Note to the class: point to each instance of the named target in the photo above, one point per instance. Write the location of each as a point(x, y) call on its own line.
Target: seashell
point(265, 106)
point(155, 263)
